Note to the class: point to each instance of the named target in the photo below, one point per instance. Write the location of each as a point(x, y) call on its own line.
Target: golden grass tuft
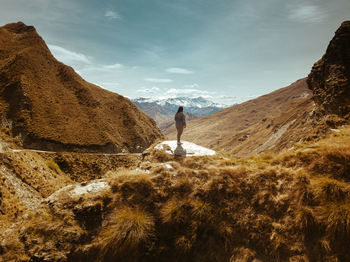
point(305, 220)
point(329, 189)
point(129, 228)
point(128, 176)
point(336, 218)
point(183, 244)
point(53, 166)
point(202, 211)
point(176, 211)
point(161, 156)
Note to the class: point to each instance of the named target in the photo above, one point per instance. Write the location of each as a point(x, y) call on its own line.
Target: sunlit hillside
point(293, 206)
point(285, 197)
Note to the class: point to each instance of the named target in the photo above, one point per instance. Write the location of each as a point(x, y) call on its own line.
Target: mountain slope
point(50, 107)
point(157, 112)
point(255, 126)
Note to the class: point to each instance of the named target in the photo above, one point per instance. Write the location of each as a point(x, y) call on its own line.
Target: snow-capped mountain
point(198, 106)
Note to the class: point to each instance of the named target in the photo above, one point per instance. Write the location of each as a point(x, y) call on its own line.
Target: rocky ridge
point(329, 78)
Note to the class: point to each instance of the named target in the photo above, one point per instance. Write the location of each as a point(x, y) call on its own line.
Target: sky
point(228, 51)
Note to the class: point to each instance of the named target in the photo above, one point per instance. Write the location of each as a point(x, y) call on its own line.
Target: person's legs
point(179, 129)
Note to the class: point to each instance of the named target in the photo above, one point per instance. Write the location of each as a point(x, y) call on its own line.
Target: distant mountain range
point(163, 110)
point(198, 106)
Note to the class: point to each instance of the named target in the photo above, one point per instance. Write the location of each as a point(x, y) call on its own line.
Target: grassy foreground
point(294, 206)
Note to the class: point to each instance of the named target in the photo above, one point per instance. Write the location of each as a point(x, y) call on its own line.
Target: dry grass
point(129, 229)
point(336, 219)
point(265, 208)
point(53, 166)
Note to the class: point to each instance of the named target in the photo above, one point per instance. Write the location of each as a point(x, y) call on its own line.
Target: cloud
point(178, 70)
point(113, 15)
point(231, 100)
point(102, 68)
point(307, 14)
point(114, 66)
point(189, 92)
point(195, 86)
point(158, 80)
point(148, 91)
point(69, 57)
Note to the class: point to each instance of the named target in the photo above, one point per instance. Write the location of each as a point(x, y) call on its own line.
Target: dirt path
point(89, 154)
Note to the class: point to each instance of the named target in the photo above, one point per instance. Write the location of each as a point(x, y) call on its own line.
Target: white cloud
point(195, 86)
point(148, 91)
point(306, 13)
point(189, 92)
point(113, 15)
point(178, 70)
point(69, 57)
point(114, 66)
point(231, 100)
point(158, 80)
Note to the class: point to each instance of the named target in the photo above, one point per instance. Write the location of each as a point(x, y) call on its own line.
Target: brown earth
point(50, 107)
point(330, 76)
point(293, 206)
point(266, 124)
point(27, 177)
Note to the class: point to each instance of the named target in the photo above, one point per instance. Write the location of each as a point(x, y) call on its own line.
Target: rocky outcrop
point(330, 76)
point(50, 107)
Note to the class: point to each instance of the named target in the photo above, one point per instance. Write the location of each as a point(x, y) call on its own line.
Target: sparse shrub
point(129, 230)
point(53, 166)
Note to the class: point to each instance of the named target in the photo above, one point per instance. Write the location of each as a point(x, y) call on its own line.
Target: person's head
point(181, 109)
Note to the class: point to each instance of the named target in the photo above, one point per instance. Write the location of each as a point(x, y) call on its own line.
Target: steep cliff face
point(50, 107)
point(329, 79)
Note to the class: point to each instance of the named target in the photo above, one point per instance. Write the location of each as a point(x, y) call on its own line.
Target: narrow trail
point(82, 153)
point(4, 148)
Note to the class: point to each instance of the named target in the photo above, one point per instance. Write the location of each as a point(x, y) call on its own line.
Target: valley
point(87, 176)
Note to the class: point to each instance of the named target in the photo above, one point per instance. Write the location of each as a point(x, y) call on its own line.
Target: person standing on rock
point(180, 123)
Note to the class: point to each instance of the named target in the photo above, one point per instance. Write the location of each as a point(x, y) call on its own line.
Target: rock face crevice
point(52, 108)
point(329, 79)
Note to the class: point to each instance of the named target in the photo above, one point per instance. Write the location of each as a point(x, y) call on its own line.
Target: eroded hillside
point(50, 107)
